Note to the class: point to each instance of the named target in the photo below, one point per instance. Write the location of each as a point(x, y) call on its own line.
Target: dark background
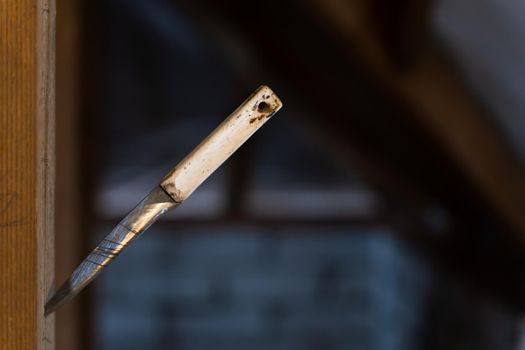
point(382, 208)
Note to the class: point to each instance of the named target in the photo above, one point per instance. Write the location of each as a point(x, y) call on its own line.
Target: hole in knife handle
point(262, 106)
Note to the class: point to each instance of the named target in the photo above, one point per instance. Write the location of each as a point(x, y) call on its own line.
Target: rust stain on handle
point(182, 180)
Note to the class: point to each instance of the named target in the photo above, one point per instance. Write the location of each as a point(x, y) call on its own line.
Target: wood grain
point(26, 172)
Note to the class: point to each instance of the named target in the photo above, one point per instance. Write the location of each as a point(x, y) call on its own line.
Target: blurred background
point(382, 208)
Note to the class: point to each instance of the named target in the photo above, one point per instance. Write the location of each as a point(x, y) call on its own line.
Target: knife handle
point(182, 180)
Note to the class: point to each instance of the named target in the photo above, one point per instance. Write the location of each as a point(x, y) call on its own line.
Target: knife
point(174, 189)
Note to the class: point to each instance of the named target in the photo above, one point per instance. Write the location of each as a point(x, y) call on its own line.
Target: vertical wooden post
point(26, 172)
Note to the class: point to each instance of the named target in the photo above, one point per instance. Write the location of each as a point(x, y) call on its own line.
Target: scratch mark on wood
point(7, 201)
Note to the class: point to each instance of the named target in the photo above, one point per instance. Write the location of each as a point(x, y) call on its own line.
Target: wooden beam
point(27, 172)
point(444, 107)
point(417, 134)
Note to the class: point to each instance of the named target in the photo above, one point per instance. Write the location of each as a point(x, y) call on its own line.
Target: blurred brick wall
point(247, 288)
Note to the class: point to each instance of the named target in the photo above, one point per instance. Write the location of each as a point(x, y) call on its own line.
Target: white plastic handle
point(180, 182)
